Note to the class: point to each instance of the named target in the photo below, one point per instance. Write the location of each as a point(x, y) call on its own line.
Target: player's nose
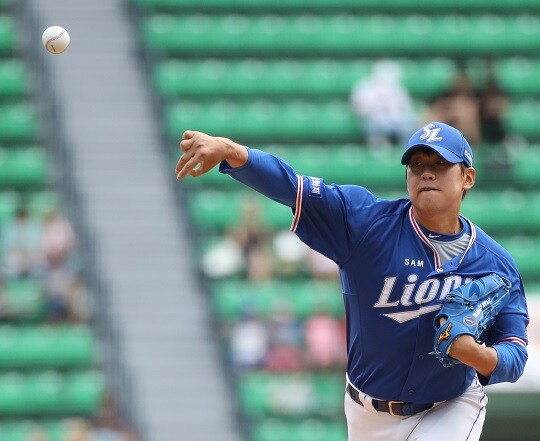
point(427, 175)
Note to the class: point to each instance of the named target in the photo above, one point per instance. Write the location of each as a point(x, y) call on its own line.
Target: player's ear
point(470, 178)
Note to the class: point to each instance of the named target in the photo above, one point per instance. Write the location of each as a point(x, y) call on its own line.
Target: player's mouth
point(427, 189)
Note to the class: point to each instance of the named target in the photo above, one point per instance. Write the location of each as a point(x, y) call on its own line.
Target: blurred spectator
point(459, 107)
point(5, 313)
point(286, 338)
point(108, 425)
point(254, 239)
point(58, 237)
point(324, 341)
point(245, 249)
point(321, 267)
point(21, 245)
point(493, 102)
point(64, 293)
point(290, 254)
point(248, 341)
point(223, 259)
point(77, 429)
point(383, 107)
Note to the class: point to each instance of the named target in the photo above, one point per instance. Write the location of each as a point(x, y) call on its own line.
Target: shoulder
point(494, 249)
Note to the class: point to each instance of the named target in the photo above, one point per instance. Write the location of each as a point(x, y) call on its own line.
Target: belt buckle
point(390, 404)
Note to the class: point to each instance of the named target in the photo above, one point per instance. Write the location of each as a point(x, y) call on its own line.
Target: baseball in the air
point(55, 39)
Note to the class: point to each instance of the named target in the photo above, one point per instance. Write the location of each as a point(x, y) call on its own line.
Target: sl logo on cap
point(430, 133)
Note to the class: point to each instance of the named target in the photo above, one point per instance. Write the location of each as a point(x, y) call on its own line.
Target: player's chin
point(428, 200)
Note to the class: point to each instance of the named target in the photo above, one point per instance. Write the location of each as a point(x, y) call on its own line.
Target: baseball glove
point(469, 310)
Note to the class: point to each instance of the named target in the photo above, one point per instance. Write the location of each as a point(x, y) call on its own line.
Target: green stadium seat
point(518, 211)
point(23, 299)
point(18, 123)
point(273, 429)
point(50, 393)
point(524, 119)
point(340, 34)
point(47, 347)
point(264, 394)
point(331, 5)
point(23, 167)
point(14, 81)
point(8, 34)
point(174, 78)
point(263, 120)
point(233, 298)
point(519, 76)
point(525, 166)
point(524, 250)
point(27, 429)
point(9, 202)
point(42, 202)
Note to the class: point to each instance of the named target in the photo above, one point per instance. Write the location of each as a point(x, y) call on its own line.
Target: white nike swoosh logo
point(433, 236)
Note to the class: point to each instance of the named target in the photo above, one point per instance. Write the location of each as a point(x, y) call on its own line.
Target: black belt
point(399, 408)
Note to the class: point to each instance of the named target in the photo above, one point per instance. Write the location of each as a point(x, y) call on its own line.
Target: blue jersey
point(393, 282)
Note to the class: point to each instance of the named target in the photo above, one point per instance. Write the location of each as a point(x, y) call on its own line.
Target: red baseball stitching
point(54, 38)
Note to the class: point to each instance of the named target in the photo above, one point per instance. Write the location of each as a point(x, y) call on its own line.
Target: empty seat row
point(269, 394)
point(8, 34)
point(308, 429)
point(41, 346)
point(19, 122)
point(14, 82)
point(263, 120)
point(208, 77)
point(22, 300)
point(232, 299)
point(299, 121)
point(23, 166)
point(51, 393)
point(389, 6)
point(26, 429)
point(424, 78)
point(341, 34)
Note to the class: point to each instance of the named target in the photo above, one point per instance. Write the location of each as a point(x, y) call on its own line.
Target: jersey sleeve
point(321, 212)
point(508, 336)
point(266, 174)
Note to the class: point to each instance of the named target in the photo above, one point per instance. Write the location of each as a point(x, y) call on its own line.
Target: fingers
point(188, 138)
point(188, 165)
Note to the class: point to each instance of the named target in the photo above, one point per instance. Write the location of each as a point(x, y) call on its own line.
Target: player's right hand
point(202, 152)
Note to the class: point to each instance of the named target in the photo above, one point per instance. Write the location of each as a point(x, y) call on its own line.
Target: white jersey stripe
point(424, 239)
point(298, 207)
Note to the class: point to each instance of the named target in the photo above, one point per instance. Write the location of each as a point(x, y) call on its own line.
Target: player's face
point(436, 185)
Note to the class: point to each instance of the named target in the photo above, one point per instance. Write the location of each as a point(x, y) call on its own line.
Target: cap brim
point(446, 154)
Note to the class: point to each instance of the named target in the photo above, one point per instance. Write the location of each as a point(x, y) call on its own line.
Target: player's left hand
point(468, 311)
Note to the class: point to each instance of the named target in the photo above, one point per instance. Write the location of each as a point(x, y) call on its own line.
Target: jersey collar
point(423, 238)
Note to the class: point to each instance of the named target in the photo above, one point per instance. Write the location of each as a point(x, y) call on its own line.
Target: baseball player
point(398, 261)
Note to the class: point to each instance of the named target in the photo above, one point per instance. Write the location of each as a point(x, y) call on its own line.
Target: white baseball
point(55, 39)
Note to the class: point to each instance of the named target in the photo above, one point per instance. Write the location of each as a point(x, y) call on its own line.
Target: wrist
point(482, 358)
point(235, 154)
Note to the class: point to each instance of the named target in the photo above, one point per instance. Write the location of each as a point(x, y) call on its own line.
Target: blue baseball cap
point(446, 140)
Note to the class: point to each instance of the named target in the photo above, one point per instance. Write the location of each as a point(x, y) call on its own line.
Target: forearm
point(266, 174)
point(483, 359)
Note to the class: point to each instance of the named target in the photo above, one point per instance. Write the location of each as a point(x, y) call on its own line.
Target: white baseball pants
point(460, 419)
